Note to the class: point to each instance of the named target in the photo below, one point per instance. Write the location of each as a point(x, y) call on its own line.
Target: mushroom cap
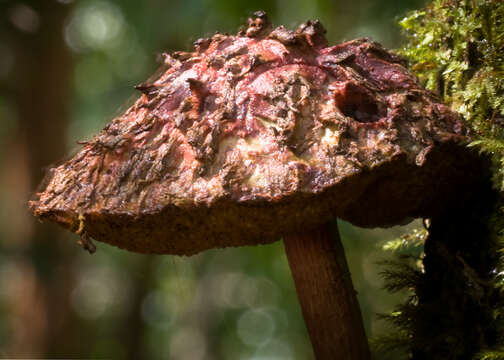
point(253, 136)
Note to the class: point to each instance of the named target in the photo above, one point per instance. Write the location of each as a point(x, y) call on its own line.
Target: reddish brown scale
point(258, 135)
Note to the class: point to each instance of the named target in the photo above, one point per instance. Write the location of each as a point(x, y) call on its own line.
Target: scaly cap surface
point(256, 135)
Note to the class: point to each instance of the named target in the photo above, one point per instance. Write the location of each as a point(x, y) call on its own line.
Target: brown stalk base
point(325, 291)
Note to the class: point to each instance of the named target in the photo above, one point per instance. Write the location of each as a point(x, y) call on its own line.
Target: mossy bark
point(456, 295)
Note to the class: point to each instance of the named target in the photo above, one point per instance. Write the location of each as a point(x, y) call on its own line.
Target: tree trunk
point(41, 319)
point(456, 296)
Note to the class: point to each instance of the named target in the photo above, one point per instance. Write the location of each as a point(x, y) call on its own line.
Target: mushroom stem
point(325, 291)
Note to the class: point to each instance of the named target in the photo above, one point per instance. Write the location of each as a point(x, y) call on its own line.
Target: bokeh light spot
point(99, 290)
point(256, 327)
point(24, 18)
point(95, 25)
point(188, 343)
point(160, 310)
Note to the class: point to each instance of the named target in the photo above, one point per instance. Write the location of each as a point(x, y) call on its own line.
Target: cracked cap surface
point(252, 136)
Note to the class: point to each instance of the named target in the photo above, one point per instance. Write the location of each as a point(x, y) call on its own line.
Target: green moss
point(456, 48)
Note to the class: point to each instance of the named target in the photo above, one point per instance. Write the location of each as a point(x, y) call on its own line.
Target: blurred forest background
point(66, 69)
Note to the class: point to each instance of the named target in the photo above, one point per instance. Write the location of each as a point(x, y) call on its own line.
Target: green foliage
point(412, 241)
point(456, 47)
point(492, 355)
point(455, 303)
point(403, 274)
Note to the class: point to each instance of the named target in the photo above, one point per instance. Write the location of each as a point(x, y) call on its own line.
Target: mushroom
point(264, 135)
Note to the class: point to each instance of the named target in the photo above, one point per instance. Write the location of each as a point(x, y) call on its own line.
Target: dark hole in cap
point(358, 104)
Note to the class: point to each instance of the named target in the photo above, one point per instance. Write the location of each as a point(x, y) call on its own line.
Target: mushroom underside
point(392, 193)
